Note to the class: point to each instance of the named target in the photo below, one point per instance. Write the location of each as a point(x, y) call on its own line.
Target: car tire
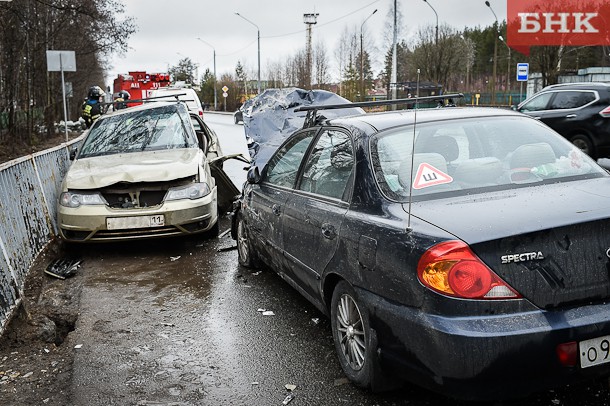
point(352, 337)
point(245, 253)
point(584, 144)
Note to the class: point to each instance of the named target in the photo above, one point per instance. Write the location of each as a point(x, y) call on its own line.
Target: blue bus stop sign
point(523, 72)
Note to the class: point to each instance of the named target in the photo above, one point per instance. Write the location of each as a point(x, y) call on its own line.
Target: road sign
point(523, 70)
point(225, 89)
point(225, 94)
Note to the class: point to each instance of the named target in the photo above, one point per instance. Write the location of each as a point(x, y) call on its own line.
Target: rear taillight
point(605, 113)
point(452, 269)
point(201, 113)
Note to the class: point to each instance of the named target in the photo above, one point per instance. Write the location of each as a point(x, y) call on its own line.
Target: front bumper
point(484, 357)
point(88, 223)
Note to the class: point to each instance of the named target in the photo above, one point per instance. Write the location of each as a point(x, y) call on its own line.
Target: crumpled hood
point(149, 166)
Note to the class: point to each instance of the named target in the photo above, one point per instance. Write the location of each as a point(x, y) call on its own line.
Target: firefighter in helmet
point(120, 100)
point(92, 107)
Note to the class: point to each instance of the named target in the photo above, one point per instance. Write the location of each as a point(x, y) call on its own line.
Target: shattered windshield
point(165, 127)
point(467, 156)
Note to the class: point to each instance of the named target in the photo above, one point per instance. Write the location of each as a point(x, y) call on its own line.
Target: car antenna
point(409, 229)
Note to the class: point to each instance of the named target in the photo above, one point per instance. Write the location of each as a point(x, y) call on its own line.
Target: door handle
point(536, 117)
point(328, 231)
point(571, 116)
point(275, 209)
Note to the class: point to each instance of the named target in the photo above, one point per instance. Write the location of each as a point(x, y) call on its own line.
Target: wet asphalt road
point(177, 322)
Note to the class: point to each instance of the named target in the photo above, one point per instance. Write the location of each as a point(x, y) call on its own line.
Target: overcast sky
point(167, 31)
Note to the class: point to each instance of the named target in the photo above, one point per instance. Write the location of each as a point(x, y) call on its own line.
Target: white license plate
point(120, 223)
point(595, 351)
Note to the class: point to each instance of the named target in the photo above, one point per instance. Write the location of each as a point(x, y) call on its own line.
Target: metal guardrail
point(28, 196)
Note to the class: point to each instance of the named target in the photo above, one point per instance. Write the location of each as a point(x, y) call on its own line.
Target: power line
point(325, 24)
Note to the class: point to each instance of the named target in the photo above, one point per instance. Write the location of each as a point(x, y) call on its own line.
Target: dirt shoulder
point(35, 363)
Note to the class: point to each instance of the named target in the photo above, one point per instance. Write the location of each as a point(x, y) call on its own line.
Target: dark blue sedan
point(466, 250)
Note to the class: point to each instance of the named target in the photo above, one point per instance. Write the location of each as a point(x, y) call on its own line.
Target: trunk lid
point(549, 242)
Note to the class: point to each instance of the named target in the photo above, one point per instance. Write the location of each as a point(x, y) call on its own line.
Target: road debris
point(78, 346)
point(288, 399)
point(63, 268)
point(225, 249)
point(172, 259)
point(290, 387)
point(315, 320)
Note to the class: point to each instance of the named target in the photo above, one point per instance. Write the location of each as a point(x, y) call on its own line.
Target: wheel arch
point(330, 282)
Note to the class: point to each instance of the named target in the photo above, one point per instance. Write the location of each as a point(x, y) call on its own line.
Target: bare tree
point(321, 66)
point(30, 95)
point(444, 60)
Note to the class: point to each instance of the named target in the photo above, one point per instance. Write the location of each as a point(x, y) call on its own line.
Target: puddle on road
point(162, 267)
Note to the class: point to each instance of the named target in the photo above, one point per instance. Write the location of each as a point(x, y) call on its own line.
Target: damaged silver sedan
point(144, 172)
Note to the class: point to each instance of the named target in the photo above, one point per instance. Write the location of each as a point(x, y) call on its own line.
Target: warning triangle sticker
point(427, 175)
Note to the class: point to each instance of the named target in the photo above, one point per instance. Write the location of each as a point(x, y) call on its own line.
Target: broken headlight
point(76, 199)
point(193, 191)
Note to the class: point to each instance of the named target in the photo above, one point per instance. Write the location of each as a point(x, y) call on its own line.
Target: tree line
point(449, 59)
point(30, 96)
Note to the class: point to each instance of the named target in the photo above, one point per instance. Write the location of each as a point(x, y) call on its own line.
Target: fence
point(28, 194)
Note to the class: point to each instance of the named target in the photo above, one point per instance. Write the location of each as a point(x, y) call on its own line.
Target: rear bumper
point(484, 357)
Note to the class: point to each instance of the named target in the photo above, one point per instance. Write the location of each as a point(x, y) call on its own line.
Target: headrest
point(531, 155)
point(442, 144)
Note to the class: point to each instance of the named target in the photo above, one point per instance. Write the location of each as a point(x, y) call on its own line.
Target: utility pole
point(393, 79)
point(309, 19)
point(495, 61)
point(362, 90)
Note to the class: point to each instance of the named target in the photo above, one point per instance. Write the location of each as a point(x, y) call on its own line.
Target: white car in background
point(187, 95)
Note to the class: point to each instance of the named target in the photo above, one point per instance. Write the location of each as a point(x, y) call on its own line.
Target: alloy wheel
point(350, 328)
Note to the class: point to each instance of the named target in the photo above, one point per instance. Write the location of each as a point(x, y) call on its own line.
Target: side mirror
point(73, 153)
point(253, 175)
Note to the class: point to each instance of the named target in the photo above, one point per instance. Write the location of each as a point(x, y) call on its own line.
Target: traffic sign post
point(523, 70)
point(62, 61)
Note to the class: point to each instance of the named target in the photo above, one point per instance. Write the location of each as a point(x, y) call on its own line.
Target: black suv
point(578, 111)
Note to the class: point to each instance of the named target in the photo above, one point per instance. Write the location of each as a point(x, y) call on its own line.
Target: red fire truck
point(139, 84)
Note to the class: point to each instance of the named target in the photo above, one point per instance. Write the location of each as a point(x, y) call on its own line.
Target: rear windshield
point(167, 127)
point(474, 155)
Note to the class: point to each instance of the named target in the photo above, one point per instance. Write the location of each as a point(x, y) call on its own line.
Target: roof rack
point(312, 111)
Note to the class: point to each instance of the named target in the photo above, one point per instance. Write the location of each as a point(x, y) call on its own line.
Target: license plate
point(595, 351)
point(120, 223)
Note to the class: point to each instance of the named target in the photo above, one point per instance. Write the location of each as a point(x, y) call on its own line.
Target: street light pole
point(436, 14)
point(507, 64)
point(215, 94)
point(258, 32)
point(394, 76)
point(495, 65)
point(362, 97)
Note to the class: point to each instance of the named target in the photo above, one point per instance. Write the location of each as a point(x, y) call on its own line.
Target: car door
point(314, 212)
point(567, 113)
point(268, 197)
point(537, 106)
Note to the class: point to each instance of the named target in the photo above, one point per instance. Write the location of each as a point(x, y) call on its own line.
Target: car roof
point(390, 119)
point(142, 107)
point(579, 85)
